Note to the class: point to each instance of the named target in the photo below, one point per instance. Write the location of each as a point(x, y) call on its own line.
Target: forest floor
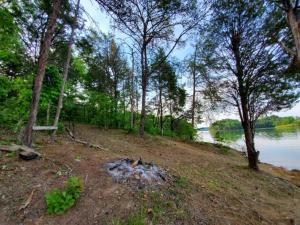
point(211, 185)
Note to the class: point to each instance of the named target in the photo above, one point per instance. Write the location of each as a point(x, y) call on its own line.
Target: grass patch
point(11, 154)
point(222, 149)
point(160, 207)
point(58, 201)
point(138, 218)
point(8, 141)
point(181, 182)
point(213, 184)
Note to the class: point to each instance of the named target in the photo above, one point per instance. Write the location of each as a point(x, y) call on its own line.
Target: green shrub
point(184, 130)
point(15, 98)
point(74, 187)
point(59, 201)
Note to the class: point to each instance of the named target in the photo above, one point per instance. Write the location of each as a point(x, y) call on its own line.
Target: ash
point(136, 172)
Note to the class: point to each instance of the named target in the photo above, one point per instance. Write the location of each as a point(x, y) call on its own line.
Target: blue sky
point(101, 22)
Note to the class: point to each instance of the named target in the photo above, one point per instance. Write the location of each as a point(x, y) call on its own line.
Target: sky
point(99, 20)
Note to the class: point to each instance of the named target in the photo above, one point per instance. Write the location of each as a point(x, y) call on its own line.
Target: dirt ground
point(211, 184)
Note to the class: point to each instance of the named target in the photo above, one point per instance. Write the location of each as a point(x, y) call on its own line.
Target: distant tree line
point(265, 122)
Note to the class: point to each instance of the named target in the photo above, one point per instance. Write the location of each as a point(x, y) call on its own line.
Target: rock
point(27, 155)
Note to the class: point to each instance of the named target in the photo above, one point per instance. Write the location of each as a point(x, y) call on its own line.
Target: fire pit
point(137, 172)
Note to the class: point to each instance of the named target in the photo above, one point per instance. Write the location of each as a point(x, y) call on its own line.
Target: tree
point(42, 61)
point(201, 83)
point(12, 55)
point(194, 78)
point(198, 70)
point(164, 81)
point(66, 68)
point(147, 21)
point(107, 72)
point(250, 69)
point(32, 18)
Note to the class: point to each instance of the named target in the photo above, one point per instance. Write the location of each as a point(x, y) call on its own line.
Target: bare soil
point(211, 184)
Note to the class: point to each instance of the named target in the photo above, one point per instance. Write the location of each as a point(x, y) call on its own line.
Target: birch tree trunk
point(66, 70)
point(38, 80)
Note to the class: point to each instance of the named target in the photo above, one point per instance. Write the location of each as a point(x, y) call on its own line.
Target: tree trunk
point(136, 100)
point(38, 81)
point(124, 105)
point(160, 110)
point(249, 139)
point(116, 98)
point(194, 89)
point(251, 152)
point(66, 70)
point(144, 89)
point(132, 93)
point(295, 28)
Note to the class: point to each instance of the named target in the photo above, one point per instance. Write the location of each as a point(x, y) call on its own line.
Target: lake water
point(277, 146)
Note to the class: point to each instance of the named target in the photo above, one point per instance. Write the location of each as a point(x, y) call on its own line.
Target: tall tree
point(250, 69)
point(197, 67)
point(32, 19)
point(66, 67)
point(42, 61)
point(198, 70)
point(164, 82)
point(147, 21)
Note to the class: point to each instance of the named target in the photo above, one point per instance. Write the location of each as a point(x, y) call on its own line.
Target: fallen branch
point(27, 201)
point(72, 136)
point(16, 148)
point(7, 148)
point(24, 152)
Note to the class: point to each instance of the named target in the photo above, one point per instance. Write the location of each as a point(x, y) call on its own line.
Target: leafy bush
point(59, 201)
point(14, 101)
point(74, 187)
point(183, 129)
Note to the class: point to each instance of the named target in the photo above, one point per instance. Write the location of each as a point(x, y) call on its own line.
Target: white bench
point(44, 128)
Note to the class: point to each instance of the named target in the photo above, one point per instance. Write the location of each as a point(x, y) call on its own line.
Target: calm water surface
point(278, 147)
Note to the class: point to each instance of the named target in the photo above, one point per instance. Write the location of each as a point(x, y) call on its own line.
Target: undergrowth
point(58, 201)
